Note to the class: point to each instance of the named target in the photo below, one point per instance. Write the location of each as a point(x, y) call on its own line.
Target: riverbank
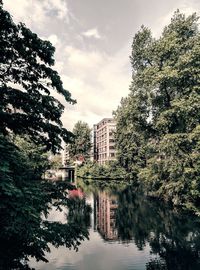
point(109, 171)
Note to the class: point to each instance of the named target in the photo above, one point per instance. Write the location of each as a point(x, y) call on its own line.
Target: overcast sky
point(93, 43)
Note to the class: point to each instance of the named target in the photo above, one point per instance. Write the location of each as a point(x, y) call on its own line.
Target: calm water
point(127, 232)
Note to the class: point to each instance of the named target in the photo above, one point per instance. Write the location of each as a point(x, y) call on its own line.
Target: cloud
point(82, 63)
point(187, 7)
point(61, 8)
point(59, 66)
point(37, 11)
point(95, 78)
point(53, 39)
point(97, 81)
point(92, 33)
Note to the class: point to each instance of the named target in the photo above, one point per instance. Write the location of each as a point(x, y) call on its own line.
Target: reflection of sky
point(95, 254)
point(57, 215)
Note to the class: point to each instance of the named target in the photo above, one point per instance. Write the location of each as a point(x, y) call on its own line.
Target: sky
point(93, 44)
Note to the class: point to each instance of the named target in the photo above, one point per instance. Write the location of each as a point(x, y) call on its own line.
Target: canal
point(127, 231)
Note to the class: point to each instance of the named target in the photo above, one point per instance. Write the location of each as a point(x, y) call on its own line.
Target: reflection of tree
point(173, 236)
point(79, 213)
point(178, 251)
point(128, 206)
point(24, 233)
point(94, 186)
point(156, 265)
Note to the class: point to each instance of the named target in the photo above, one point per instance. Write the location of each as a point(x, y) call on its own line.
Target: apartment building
point(104, 144)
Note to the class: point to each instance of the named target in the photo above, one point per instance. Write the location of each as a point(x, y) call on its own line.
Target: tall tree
point(165, 91)
point(81, 144)
point(27, 82)
point(28, 108)
point(129, 140)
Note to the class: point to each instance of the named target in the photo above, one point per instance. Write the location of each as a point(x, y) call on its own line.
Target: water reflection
point(128, 216)
point(174, 236)
point(125, 230)
point(24, 235)
point(106, 206)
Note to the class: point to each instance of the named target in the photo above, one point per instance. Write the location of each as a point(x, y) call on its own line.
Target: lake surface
point(127, 231)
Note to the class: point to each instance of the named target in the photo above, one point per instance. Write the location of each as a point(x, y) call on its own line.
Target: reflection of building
point(104, 145)
point(105, 215)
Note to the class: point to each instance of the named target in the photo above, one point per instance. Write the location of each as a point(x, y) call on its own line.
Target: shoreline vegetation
point(101, 178)
point(105, 175)
point(158, 124)
point(93, 170)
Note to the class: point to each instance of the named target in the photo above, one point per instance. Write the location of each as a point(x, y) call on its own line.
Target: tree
point(36, 158)
point(30, 125)
point(165, 96)
point(81, 144)
point(129, 140)
point(55, 161)
point(24, 202)
point(27, 82)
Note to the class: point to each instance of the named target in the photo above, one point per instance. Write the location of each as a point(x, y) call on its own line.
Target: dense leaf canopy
point(160, 119)
point(29, 125)
point(81, 144)
point(27, 83)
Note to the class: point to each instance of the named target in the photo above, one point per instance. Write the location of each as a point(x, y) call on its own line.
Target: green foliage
point(30, 125)
point(35, 155)
point(93, 170)
point(129, 141)
point(55, 161)
point(81, 144)
point(158, 124)
point(25, 201)
point(100, 185)
point(26, 84)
